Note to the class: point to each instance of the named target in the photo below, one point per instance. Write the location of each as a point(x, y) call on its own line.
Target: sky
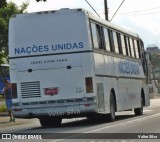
point(139, 16)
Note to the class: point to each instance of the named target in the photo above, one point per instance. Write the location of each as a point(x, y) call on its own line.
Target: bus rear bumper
point(62, 111)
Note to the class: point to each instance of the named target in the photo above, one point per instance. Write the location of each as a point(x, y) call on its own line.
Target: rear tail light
point(87, 105)
point(14, 90)
point(89, 84)
point(17, 109)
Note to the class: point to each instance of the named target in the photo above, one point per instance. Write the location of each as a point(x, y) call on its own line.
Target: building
point(153, 49)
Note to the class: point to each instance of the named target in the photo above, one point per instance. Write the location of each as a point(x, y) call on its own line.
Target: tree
point(3, 3)
point(7, 10)
point(155, 60)
point(155, 66)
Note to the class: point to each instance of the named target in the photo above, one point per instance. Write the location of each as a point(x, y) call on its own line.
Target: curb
point(155, 97)
point(4, 114)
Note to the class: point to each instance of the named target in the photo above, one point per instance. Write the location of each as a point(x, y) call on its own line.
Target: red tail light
point(17, 109)
point(89, 85)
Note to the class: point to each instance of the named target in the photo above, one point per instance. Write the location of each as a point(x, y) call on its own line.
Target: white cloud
point(146, 23)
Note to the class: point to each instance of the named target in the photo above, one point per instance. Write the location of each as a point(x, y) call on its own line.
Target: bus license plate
point(51, 91)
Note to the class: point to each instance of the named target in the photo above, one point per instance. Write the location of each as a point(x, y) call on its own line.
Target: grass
point(3, 107)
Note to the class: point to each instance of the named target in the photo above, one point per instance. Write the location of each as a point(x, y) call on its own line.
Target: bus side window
point(94, 36)
point(100, 36)
point(136, 48)
point(119, 43)
point(139, 48)
point(107, 41)
point(132, 47)
point(144, 61)
point(127, 46)
point(123, 45)
point(111, 40)
point(116, 49)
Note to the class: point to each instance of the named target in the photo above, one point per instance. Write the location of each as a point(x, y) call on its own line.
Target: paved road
point(125, 123)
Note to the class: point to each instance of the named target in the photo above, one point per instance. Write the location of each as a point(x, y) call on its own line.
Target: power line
point(139, 13)
point(135, 11)
point(92, 8)
point(117, 10)
point(142, 10)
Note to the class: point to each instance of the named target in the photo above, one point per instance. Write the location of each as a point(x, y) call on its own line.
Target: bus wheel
point(47, 122)
point(111, 115)
point(139, 111)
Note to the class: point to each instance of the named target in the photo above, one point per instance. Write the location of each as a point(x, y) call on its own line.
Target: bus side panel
point(130, 79)
point(104, 71)
point(123, 76)
point(88, 70)
point(130, 90)
point(100, 71)
point(146, 93)
point(104, 65)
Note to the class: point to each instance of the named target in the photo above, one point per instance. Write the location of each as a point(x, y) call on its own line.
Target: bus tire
point(139, 111)
point(47, 122)
point(111, 115)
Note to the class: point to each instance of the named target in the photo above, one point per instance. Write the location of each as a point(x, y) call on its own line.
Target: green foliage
point(3, 3)
point(155, 60)
point(1, 97)
point(3, 108)
point(7, 10)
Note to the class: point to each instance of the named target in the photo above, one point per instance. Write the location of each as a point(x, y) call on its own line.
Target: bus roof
point(90, 15)
point(110, 25)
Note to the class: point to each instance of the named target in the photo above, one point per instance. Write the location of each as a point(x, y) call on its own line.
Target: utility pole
point(106, 10)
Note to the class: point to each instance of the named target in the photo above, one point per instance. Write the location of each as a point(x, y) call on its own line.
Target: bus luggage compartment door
point(100, 97)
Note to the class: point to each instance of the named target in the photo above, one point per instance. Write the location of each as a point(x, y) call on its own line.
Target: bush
point(1, 97)
point(3, 108)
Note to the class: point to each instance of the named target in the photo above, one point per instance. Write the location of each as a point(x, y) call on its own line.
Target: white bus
point(70, 63)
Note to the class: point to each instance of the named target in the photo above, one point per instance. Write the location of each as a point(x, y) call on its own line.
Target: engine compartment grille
point(30, 89)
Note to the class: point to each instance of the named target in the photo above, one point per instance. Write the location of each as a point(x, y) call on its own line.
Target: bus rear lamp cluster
point(17, 109)
point(89, 99)
point(87, 105)
point(89, 84)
